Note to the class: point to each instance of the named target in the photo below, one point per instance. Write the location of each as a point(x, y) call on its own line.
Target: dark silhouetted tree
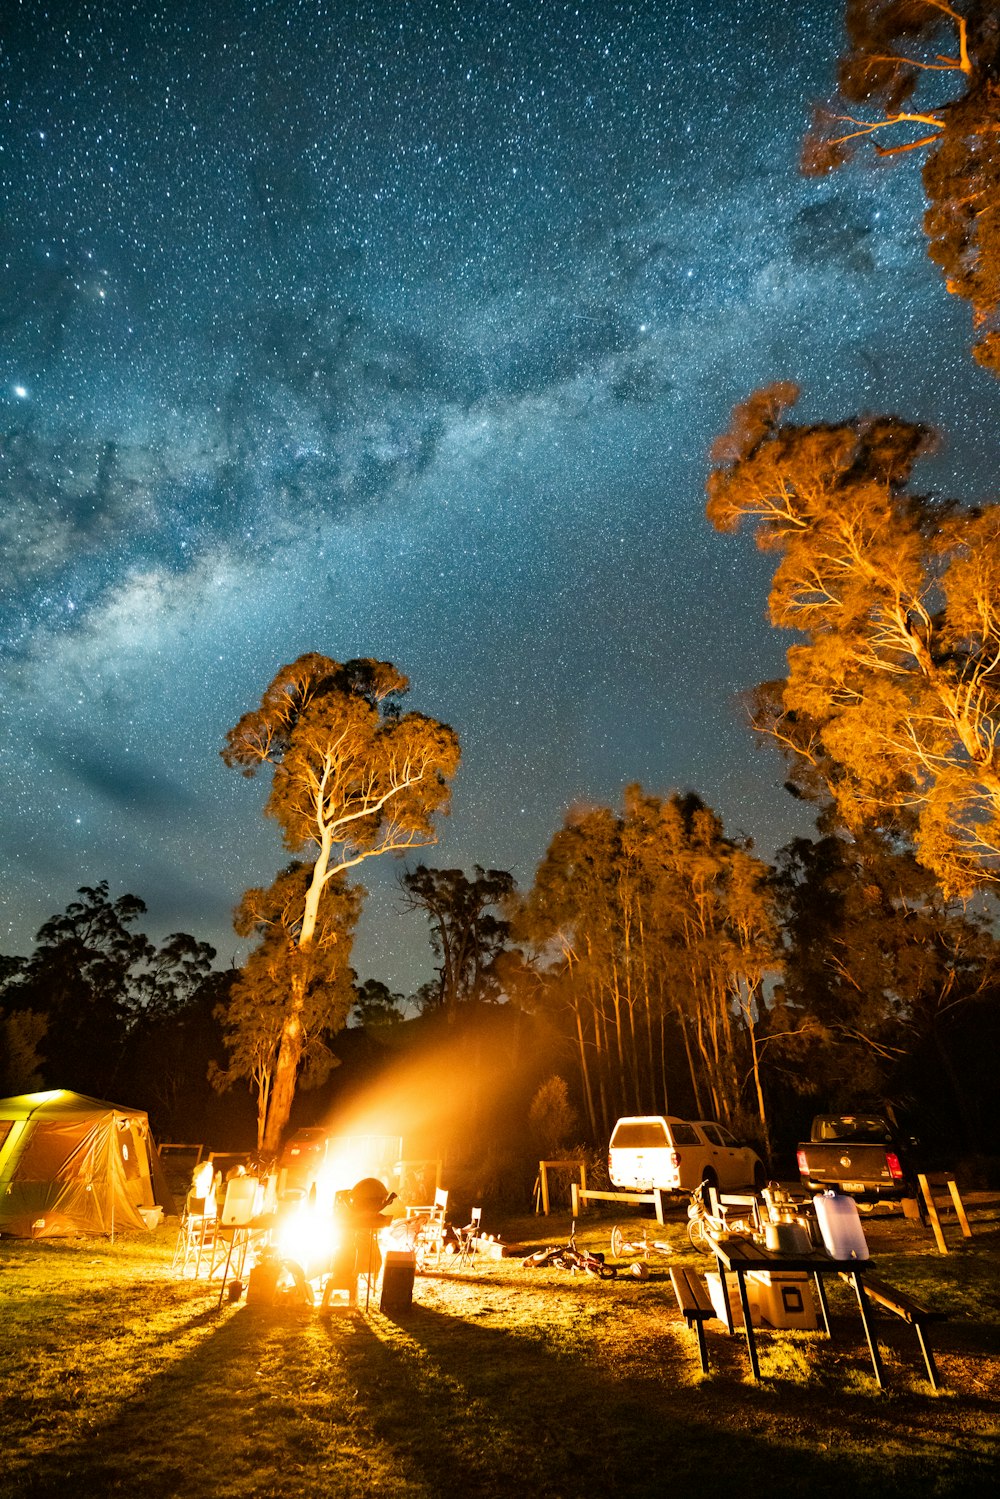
point(468, 930)
point(84, 977)
point(884, 966)
point(376, 1006)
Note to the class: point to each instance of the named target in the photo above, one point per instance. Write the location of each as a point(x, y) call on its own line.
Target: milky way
point(403, 330)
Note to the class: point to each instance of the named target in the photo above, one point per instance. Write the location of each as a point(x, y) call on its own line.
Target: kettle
point(790, 1236)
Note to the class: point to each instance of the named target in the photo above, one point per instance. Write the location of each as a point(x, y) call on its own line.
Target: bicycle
point(571, 1257)
point(621, 1247)
point(702, 1223)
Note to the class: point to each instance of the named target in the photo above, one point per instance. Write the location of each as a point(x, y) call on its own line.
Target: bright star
point(21, 391)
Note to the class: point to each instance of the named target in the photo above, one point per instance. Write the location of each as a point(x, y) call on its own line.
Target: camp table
point(740, 1257)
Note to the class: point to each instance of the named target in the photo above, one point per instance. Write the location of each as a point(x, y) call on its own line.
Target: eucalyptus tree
point(567, 924)
point(353, 777)
point(717, 938)
point(891, 704)
point(280, 971)
point(376, 1007)
point(880, 969)
point(85, 976)
point(652, 934)
point(468, 929)
point(97, 1004)
point(923, 77)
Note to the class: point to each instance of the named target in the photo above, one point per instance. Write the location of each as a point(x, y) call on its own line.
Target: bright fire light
point(308, 1235)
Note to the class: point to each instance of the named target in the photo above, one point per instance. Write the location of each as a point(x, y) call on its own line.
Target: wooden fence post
point(927, 1184)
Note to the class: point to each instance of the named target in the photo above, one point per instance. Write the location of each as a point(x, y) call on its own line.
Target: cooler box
point(785, 1297)
point(753, 1296)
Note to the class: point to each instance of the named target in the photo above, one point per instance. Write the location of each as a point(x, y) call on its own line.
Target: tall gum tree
point(891, 704)
point(923, 76)
point(254, 1014)
point(353, 777)
point(650, 933)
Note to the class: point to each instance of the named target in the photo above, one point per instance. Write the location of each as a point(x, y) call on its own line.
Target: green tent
point(75, 1165)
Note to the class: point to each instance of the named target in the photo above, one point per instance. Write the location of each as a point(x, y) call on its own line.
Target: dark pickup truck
point(860, 1155)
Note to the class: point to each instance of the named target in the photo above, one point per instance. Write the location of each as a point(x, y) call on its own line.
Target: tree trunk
point(692, 1069)
point(588, 1094)
point(286, 1071)
point(758, 1081)
point(263, 1084)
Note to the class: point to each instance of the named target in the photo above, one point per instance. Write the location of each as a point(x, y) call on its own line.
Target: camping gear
point(840, 1225)
point(397, 1282)
point(788, 1236)
point(76, 1165)
point(784, 1297)
point(721, 1287)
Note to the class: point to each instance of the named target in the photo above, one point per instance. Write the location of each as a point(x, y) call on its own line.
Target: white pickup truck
point(676, 1155)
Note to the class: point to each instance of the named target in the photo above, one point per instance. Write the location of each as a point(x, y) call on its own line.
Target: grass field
point(116, 1379)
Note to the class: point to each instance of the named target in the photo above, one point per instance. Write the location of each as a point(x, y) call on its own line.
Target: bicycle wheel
point(698, 1235)
point(618, 1241)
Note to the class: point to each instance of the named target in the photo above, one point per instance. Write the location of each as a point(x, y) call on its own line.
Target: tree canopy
point(467, 926)
point(891, 705)
point(885, 968)
point(650, 935)
point(913, 96)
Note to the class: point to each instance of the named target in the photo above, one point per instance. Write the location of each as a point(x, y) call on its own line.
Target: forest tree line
point(669, 967)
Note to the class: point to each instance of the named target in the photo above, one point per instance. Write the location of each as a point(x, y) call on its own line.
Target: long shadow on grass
point(260, 1404)
point(288, 1403)
point(500, 1411)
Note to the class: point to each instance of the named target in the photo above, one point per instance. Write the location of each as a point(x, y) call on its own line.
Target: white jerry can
point(840, 1225)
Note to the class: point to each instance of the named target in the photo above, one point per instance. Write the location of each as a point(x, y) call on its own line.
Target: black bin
point(397, 1282)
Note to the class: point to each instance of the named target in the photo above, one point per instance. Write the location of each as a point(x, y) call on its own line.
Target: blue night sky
point(403, 329)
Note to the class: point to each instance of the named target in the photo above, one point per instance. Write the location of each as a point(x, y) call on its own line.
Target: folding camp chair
point(232, 1239)
point(430, 1240)
point(468, 1239)
point(196, 1239)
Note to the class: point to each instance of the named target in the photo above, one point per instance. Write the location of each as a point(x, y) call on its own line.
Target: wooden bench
point(695, 1304)
point(902, 1305)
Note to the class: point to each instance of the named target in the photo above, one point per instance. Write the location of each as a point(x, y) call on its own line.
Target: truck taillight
point(675, 1159)
point(895, 1169)
point(803, 1164)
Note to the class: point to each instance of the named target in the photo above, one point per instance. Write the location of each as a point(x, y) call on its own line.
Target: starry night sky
point(403, 329)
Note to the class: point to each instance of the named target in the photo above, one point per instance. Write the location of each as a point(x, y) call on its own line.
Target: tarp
point(72, 1165)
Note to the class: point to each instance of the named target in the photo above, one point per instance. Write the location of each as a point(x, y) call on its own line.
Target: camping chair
point(196, 1240)
point(232, 1237)
point(430, 1239)
point(468, 1239)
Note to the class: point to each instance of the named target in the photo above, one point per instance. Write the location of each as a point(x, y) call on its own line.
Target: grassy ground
point(116, 1379)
